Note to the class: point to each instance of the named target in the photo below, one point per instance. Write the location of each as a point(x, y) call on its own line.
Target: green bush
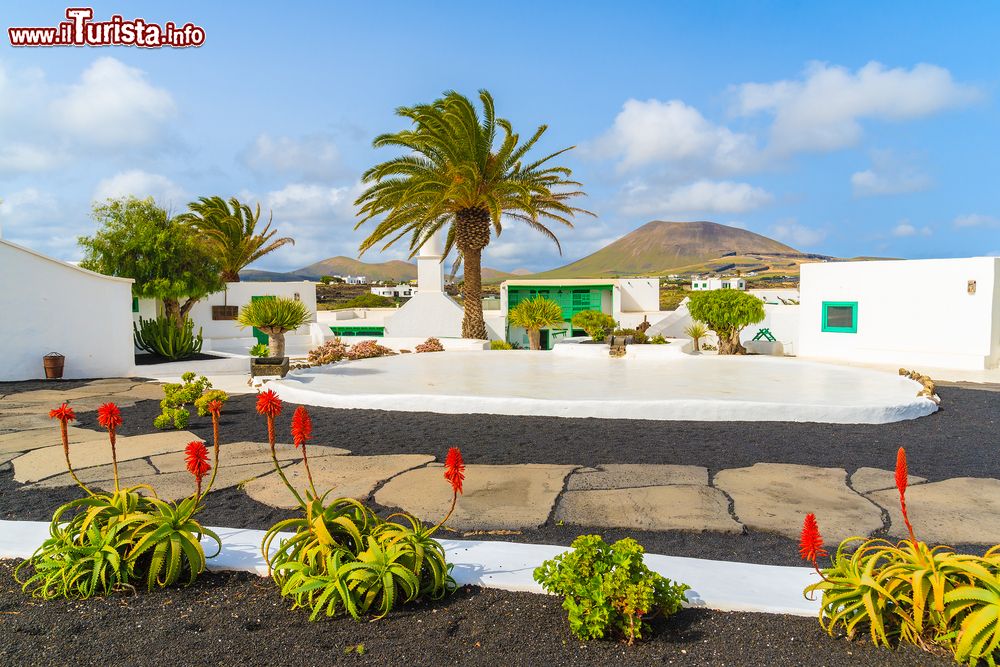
point(260, 350)
point(161, 337)
point(500, 345)
point(726, 312)
point(188, 392)
point(369, 300)
point(638, 337)
point(595, 323)
point(607, 589)
point(658, 339)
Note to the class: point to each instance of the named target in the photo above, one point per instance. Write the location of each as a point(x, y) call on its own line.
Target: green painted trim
point(853, 305)
point(135, 304)
point(376, 332)
point(262, 338)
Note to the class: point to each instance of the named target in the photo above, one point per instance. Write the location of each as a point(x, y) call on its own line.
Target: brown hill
point(395, 270)
point(659, 247)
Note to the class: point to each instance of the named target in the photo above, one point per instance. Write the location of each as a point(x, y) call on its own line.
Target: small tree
point(535, 315)
point(137, 239)
point(275, 317)
point(326, 280)
point(595, 323)
point(696, 331)
point(726, 312)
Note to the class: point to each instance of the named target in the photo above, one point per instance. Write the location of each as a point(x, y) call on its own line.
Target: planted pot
point(268, 366)
point(53, 362)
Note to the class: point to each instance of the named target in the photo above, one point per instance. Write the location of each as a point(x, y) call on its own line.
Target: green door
point(261, 337)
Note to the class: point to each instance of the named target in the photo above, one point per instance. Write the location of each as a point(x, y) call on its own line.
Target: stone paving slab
point(47, 461)
point(53, 397)
point(496, 496)
point(25, 441)
point(677, 507)
point(348, 476)
point(866, 480)
point(97, 476)
point(245, 453)
point(776, 497)
point(954, 511)
point(23, 418)
point(177, 485)
point(632, 475)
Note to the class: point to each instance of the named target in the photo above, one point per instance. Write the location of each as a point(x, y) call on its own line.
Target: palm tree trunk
point(535, 339)
point(473, 324)
point(231, 276)
point(275, 342)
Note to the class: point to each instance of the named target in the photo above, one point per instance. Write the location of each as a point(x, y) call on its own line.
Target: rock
point(350, 476)
point(177, 485)
point(246, 453)
point(632, 475)
point(495, 496)
point(48, 461)
point(46, 437)
point(680, 507)
point(866, 480)
point(775, 497)
point(955, 511)
point(100, 477)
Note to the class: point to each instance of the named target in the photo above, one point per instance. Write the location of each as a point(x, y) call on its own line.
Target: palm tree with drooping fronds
point(231, 228)
point(465, 172)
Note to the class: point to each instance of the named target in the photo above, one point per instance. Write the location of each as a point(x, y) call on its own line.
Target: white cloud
point(699, 197)
point(976, 220)
point(313, 157)
point(142, 184)
point(904, 229)
point(17, 158)
point(823, 110)
point(24, 206)
point(888, 175)
point(796, 235)
point(113, 105)
point(305, 201)
point(651, 132)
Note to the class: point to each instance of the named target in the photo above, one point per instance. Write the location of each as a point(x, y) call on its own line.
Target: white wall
point(910, 312)
point(639, 294)
point(51, 306)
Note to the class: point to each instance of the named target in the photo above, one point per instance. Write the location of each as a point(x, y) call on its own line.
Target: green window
point(840, 316)
point(135, 304)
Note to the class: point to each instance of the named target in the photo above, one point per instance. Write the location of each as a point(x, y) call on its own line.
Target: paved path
point(770, 497)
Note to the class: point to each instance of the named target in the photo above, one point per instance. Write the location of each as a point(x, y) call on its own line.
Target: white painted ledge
point(720, 585)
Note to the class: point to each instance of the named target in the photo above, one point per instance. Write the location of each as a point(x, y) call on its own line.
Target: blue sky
point(843, 128)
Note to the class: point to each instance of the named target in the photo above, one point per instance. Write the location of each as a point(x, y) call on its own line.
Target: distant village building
point(354, 280)
point(702, 284)
point(396, 291)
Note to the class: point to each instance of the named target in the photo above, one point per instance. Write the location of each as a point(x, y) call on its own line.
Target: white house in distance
point(928, 313)
point(395, 291)
point(702, 284)
point(53, 306)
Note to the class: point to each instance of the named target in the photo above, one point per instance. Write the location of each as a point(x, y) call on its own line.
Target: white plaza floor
point(684, 387)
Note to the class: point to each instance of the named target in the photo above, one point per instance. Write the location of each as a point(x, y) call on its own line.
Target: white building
point(628, 300)
point(52, 306)
point(931, 313)
point(702, 284)
point(354, 280)
point(395, 292)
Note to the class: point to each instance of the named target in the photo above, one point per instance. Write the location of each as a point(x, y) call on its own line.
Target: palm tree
point(696, 331)
point(231, 229)
point(275, 317)
point(465, 172)
point(535, 315)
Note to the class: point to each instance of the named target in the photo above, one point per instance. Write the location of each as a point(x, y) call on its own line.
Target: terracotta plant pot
point(53, 362)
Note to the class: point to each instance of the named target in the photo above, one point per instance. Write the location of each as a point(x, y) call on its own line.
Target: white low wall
point(51, 306)
point(914, 313)
point(579, 349)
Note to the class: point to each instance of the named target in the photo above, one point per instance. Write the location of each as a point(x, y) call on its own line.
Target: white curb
point(720, 585)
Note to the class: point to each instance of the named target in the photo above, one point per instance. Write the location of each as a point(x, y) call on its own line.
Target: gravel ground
point(239, 619)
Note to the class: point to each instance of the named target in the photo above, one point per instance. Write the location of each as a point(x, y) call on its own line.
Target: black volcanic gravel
point(239, 619)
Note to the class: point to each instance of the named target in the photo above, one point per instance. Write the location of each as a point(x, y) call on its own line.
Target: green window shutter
point(135, 304)
point(840, 316)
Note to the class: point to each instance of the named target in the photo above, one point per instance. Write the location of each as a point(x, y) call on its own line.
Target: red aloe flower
point(197, 462)
point(109, 416)
point(811, 542)
point(63, 413)
point(215, 408)
point(268, 403)
point(902, 475)
point(454, 469)
point(301, 426)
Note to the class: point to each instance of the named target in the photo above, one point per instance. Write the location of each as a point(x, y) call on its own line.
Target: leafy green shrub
point(607, 589)
point(908, 591)
point(342, 557)
point(178, 395)
point(430, 345)
point(500, 345)
point(595, 323)
point(329, 352)
point(368, 349)
point(105, 542)
point(369, 300)
point(275, 317)
point(726, 312)
point(260, 350)
point(162, 337)
point(658, 339)
point(638, 337)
